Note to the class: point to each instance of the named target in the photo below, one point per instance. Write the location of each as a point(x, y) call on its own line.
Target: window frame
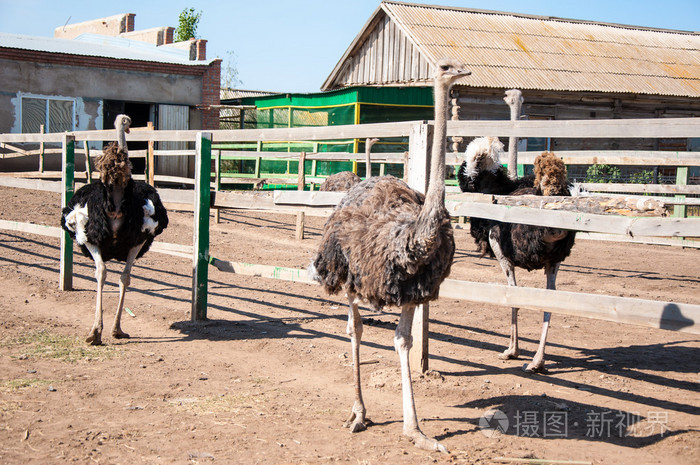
point(47, 99)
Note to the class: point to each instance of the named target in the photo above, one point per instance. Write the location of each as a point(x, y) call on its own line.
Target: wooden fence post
point(151, 159)
point(41, 150)
point(301, 182)
point(202, 202)
point(417, 167)
point(68, 181)
point(88, 168)
point(680, 211)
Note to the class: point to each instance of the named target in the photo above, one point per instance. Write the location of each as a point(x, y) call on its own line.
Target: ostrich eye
point(445, 67)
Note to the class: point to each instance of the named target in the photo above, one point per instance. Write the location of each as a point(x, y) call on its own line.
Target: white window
point(55, 113)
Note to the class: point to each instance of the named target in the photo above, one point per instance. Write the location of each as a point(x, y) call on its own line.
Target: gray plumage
point(388, 244)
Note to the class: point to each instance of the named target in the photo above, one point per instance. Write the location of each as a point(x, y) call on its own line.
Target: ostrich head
point(483, 154)
point(447, 72)
point(114, 164)
point(122, 124)
point(550, 174)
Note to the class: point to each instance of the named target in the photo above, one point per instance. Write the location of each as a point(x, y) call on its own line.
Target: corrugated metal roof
point(232, 94)
point(506, 50)
point(101, 46)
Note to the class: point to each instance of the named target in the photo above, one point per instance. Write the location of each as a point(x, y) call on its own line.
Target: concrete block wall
point(110, 26)
point(156, 35)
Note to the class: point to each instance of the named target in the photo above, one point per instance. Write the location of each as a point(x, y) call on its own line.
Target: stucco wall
point(89, 86)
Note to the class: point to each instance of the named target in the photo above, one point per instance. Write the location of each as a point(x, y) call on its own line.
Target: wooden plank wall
point(385, 56)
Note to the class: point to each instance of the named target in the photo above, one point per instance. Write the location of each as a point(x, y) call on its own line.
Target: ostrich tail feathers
point(313, 273)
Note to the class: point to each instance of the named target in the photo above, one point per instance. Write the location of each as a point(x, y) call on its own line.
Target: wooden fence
point(667, 315)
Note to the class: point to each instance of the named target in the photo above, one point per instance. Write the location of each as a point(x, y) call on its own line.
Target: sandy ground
point(267, 379)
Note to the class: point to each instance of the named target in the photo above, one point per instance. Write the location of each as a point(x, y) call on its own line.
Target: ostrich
point(387, 244)
point(525, 246)
point(344, 180)
point(114, 217)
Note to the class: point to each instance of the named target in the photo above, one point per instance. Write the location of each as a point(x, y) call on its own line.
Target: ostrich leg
point(513, 351)
point(357, 421)
point(402, 343)
point(124, 282)
point(537, 364)
point(95, 334)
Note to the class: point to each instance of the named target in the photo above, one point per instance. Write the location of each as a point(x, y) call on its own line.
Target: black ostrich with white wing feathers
point(525, 246)
point(388, 244)
point(114, 218)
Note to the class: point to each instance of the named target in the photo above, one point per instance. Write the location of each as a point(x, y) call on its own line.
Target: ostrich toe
point(95, 337)
point(424, 442)
point(535, 367)
point(117, 333)
point(357, 422)
point(510, 353)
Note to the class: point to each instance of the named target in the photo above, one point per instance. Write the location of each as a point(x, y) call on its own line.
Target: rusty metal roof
point(505, 50)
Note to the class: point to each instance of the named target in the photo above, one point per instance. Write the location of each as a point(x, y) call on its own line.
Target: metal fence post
point(68, 182)
point(202, 203)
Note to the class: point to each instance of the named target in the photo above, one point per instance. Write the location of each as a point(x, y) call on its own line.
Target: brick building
point(89, 72)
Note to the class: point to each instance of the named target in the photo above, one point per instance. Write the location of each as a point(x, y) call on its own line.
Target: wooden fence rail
point(665, 315)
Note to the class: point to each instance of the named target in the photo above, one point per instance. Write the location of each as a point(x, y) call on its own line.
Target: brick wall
point(201, 47)
point(211, 84)
point(210, 74)
point(110, 26)
point(100, 62)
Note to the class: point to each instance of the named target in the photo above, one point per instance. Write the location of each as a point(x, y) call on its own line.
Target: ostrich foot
point(95, 337)
point(535, 367)
point(422, 441)
point(357, 422)
point(510, 353)
point(119, 334)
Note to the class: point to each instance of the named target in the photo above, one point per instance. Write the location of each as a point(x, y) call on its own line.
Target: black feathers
point(116, 245)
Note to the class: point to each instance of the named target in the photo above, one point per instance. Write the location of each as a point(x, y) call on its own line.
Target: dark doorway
point(140, 114)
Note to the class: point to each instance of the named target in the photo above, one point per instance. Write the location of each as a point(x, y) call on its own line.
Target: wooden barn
point(89, 72)
point(565, 68)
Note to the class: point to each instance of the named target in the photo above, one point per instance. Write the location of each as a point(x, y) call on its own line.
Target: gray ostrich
point(116, 218)
point(525, 246)
point(387, 244)
point(344, 180)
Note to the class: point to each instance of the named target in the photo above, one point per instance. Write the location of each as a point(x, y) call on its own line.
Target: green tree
point(229, 72)
point(187, 25)
point(603, 173)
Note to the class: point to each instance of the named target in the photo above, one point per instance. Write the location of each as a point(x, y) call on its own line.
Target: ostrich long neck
point(435, 196)
point(433, 213)
point(121, 137)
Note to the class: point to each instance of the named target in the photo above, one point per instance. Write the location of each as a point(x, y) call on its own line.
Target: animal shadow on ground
point(546, 417)
point(224, 330)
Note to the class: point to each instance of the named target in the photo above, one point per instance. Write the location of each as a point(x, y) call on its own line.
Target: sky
point(292, 46)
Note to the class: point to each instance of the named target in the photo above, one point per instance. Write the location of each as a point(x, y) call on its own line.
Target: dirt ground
point(267, 379)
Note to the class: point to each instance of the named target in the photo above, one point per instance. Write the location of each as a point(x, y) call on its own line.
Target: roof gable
point(506, 50)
